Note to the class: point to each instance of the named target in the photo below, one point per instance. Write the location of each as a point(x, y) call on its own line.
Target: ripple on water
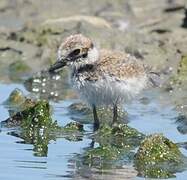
point(64, 158)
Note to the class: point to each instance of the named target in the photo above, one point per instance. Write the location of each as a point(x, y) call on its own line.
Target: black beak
point(58, 65)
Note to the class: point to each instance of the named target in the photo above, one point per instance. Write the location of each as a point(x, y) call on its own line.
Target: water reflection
point(49, 86)
point(86, 155)
point(181, 121)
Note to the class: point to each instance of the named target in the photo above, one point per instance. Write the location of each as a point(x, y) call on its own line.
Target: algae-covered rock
point(37, 126)
point(102, 157)
point(74, 126)
point(182, 70)
point(177, 86)
point(181, 75)
point(119, 135)
point(37, 114)
point(157, 157)
point(17, 102)
point(106, 156)
point(114, 144)
point(73, 131)
point(16, 98)
point(79, 108)
point(104, 152)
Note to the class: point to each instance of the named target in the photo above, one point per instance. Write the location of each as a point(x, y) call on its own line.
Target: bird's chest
point(83, 76)
point(78, 80)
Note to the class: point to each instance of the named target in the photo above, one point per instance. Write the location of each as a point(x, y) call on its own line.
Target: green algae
point(104, 152)
point(79, 108)
point(74, 126)
point(38, 116)
point(103, 157)
point(119, 135)
point(38, 128)
point(181, 75)
point(157, 157)
point(36, 125)
point(115, 142)
point(182, 69)
point(73, 131)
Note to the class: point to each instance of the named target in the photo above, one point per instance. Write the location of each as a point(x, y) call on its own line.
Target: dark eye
point(75, 52)
point(85, 55)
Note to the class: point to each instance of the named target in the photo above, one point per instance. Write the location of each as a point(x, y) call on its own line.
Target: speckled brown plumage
point(101, 77)
point(72, 42)
point(114, 64)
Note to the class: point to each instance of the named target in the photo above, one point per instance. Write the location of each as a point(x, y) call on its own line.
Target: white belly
point(108, 91)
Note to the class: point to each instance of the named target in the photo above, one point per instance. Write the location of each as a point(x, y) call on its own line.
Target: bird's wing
point(119, 65)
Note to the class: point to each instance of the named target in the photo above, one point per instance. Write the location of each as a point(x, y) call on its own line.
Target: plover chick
point(101, 77)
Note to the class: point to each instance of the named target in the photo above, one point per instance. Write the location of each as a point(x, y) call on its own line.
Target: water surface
point(154, 114)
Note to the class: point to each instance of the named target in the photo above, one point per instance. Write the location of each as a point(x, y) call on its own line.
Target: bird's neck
point(83, 68)
point(93, 55)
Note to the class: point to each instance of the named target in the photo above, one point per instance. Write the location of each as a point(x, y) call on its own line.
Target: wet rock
point(47, 35)
point(158, 157)
point(177, 86)
point(182, 70)
point(103, 152)
point(73, 131)
point(37, 127)
point(36, 115)
point(17, 102)
point(105, 157)
point(181, 122)
point(74, 126)
point(181, 75)
point(79, 108)
point(119, 135)
point(113, 144)
point(16, 98)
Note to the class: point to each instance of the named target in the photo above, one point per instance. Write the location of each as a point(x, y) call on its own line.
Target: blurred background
point(31, 31)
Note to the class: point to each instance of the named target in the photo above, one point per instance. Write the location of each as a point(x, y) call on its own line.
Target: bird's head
point(75, 51)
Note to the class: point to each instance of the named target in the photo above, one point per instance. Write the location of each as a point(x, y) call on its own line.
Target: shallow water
point(153, 114)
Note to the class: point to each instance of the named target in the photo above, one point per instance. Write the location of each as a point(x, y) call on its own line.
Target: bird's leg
point(115, 114)
point(96, 119)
